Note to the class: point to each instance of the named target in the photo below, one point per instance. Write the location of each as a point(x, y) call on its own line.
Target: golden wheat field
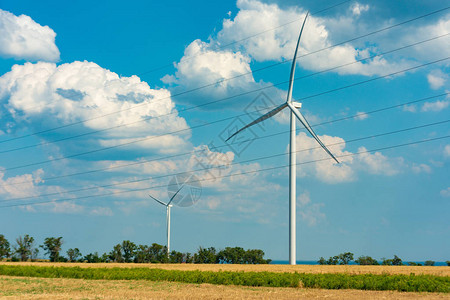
point(59, 288)
point(349, 269)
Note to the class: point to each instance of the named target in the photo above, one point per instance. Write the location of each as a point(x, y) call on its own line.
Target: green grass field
point(407, 283)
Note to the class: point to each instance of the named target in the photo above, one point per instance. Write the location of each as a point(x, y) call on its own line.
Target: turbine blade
point(160, 202)
point(260, 119)
point(294, 61)
point(173, 197)
point(308, 127)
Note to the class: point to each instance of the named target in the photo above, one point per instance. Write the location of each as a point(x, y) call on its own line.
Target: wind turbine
point(293, 107)
point(168, 205)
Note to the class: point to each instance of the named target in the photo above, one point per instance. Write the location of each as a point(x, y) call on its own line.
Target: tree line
point(347, 257)
point(126, 252)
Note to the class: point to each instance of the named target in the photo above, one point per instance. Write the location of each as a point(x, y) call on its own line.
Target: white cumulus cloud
point(47, 95)
point(255, 16)
point(208, 69)
point(377, 163)
point(421, 168)
point(201, 65)
point(323, 168)
point(358, 8)
point(437, 79)
point(319, 164)
point(432, 50)
point(22, 38)
point(435, 106)
point(19, 186)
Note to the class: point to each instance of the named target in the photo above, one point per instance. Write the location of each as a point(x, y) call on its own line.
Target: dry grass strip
point(60, 288)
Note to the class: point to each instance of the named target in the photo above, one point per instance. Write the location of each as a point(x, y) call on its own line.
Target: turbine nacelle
point(296, 104)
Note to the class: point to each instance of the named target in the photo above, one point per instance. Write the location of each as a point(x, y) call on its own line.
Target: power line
point(231, 175)
point(211, 84)
point(217, 121)
point(197, 54)
point(187, 59)
point(229, 144)
point(244, 39)
point(235, 163)
point(149, 118)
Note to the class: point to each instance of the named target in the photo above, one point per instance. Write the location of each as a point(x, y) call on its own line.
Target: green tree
point(25, 247)
point(93, 258)
point(142, 254)
point(205, 256)
point(116, 254)
point(322, 261)
point(448, 263)
point(105, 257)
point(411, 263)
point(231, 255)
point(396, 261)
point(34, 254)
point(128, 250)
point(429, 263)
point(345, 258)
point(4, 247)
point(333, 260)
point(366, 260)
point(52, 246)
point(73, 254)
point(158, 253)
point(175, 257)
point(188, 258)
point(255, 256)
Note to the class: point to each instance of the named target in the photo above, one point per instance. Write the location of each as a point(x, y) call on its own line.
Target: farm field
point(313, 269)
point(61, 288)
point(337, 278)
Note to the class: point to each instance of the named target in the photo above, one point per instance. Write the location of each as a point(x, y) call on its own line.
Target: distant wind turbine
point(168, 206)
point(293, 107)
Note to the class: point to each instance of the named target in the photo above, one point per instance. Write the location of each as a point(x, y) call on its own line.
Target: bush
point(429, 263)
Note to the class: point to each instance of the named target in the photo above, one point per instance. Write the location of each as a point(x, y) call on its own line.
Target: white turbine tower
point(293, 107)
point(168, 205)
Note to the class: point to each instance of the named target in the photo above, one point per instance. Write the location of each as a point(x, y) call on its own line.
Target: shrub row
point(407, 283)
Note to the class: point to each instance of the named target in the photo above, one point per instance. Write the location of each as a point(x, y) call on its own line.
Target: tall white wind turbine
point(168, 205)
point(293, 107)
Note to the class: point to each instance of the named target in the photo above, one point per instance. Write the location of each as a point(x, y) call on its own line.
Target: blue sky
point(102, 103)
